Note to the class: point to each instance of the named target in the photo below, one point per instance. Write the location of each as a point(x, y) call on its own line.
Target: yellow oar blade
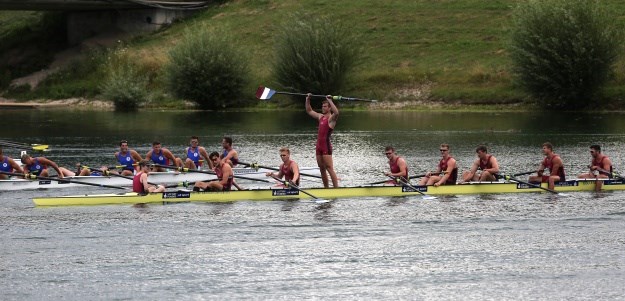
point(40, 147)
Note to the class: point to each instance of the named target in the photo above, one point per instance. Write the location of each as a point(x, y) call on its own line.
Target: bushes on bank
point(207, 68)
point(563, 50)
point(125, 84)
point(314, 54)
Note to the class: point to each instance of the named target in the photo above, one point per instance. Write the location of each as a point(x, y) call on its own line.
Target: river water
point(503, 247)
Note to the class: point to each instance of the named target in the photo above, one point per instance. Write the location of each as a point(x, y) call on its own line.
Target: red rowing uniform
point(548, 163)
point(442, 166)
point(220, 174)
point(287, 171)
point(395, 168)
point(486, 164)
point(324, 147)
point(599, 163)
point(137, 186)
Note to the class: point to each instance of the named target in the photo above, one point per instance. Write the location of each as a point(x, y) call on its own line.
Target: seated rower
point(289, 169)
point(194, 154)
point(399, 168)
point(224, 174)
point(553, 162)
point(162, 156)
point(600, 167)
point(484, 168)
point(140, 183)
point(39, 166)
point(446, 167)
point(7, 164)
point(128, 158)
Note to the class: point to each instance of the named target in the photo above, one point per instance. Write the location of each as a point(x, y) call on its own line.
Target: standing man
point(162, 156)
point(600, 167)
point(39, 166)
point(7, 164)
point(128, 158)
point(553, 162)
point(484, 168)
point(140, 183)
point(447, 167)
point(327, 121)
point(399, 168)
point(194, 153)
point(224, 175)
point(289, 169)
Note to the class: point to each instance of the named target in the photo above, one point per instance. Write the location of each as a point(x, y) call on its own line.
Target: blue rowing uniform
point(126, 161)
point(159, 158)
point(234, 161)
point(5, 166)
point(194, 156)
point(36, 167)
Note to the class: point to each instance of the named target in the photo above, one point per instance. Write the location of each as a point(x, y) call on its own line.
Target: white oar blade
point(321, 201)
point(429, 198)
point(264, 93)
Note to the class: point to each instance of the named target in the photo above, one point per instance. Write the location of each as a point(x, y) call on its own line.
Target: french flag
point(264, 93)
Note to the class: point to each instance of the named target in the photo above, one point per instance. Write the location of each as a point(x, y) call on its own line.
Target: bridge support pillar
point(85, 24)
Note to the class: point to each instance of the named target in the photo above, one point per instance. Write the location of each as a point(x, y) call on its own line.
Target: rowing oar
point(108, 173)
point(291, 184)
point(35, 177)
point(524, 173)
point(35, 147)
point(184, 169)
point(509, 178)
point(256, 166)
point(411, 177)
point(264, 93)
point(404, 183)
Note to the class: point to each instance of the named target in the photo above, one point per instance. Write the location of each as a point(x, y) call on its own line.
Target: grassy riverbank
point(414, 52)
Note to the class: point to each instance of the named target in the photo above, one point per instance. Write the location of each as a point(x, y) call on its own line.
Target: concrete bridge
point(88, 18)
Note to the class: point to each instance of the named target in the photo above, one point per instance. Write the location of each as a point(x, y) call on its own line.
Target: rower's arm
point(474, 167)
point(226, 174)
point(231, 154)
point(295, 170)
point(607, 163)
point(333, 109)
point(135, 156)
point(557, 164)
point(169, 155)
point(309, 109)
point(16, 166)
point(49, 162)
point(403, 167)
point(204, 155)
point(495, 166)
point(144, 181)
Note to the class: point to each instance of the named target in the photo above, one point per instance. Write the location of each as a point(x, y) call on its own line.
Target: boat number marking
point(177, 195)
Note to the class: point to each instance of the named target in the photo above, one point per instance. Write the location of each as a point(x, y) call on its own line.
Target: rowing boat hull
point(165, 178)
point(334, 193)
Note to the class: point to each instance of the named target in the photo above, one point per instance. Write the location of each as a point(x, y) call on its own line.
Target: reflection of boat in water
point(247, 175)
point(323, 193)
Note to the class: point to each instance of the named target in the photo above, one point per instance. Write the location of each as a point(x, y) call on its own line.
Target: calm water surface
point(503, 247)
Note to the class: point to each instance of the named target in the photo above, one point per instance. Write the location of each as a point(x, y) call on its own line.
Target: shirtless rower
point(288, 169)
point(600, 167)
point(224, 174)
point(484, 168)
point(128, 158)
point(195, 153)
point(447, 172)
point(399, 168)
point(229, 156)
point(323, 150)
point(140, 183)
point(7, 164)
point(38, 166)
point(162, 156)
point(553, 162)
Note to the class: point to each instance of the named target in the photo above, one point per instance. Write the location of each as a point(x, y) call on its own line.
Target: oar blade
point(264, 93)
point(40, 147)
point(428, 197)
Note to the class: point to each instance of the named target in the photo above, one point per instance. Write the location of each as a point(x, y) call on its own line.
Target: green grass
point(455, 50)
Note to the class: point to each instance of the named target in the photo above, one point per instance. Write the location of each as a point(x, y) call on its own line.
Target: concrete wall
point(85, 24)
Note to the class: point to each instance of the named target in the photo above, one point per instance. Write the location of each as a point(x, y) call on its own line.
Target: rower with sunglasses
point(399, 168)
point(447, 172)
